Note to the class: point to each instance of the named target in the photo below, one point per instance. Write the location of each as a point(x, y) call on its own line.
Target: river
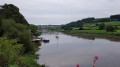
point(69, 50)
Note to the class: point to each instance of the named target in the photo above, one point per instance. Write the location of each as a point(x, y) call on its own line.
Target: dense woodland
point(16, 48)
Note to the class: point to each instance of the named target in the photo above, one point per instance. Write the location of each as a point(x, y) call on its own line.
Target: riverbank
point(99, 33)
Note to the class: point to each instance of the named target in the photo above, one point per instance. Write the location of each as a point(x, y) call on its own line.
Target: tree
point(81, 26)
point(10, 11)
point(69, 26)
point(110, 28)
point(101, 26)
point(88, 20)
point(14, 30)
point(102, 20)
point(33, 28)
point(113, 17)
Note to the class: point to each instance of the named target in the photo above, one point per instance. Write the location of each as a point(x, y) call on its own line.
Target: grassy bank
point(102, 33)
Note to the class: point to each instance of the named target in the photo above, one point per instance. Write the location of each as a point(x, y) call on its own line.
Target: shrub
point(101, 26)
point(37, 33)
point(10, 50)
point(110, 28)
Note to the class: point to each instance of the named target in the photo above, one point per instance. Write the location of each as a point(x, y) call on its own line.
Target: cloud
point(64, 11)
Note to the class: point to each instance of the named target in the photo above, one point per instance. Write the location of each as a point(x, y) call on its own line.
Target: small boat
point(45, 40)
point(36, 40)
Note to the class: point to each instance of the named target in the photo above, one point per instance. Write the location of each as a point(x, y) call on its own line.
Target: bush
point(33, 28)
point(14, 30)
point(101, 26)
point(37, 33)
point(109, 28)
point(10, 50)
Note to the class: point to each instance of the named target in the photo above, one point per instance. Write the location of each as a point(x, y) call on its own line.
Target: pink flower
point(77, 65)
point(93, 65)
point(96, 58)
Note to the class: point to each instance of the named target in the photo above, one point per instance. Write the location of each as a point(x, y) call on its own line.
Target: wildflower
point(77, 65)
point(96, 58)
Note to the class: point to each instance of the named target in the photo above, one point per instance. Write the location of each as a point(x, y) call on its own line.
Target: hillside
point(95, 26)
point(108, 27)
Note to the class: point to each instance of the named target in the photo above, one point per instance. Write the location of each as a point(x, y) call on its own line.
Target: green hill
point(95, 26)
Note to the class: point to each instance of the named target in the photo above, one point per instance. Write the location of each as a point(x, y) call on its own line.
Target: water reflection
point(57, 38)
point(78, 50)
point(84, 37)
point(46, 42)
point(92, 37)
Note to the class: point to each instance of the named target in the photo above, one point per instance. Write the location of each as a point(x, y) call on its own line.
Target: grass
point(95, 32)
point(92, 26)
point(118, 30)
point(113, 23)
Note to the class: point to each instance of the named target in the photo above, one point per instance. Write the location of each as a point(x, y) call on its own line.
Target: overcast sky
point(64, 11)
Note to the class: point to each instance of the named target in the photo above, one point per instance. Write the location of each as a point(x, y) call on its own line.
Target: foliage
point(37, 33)
point(88, 20)
point(72, 24)
point(101, 26)
point(33, 28)
point(113, 17)
point(11, 54)
point(10, 50)
point(28, 61)
point(15, 30)
point(17, 43)
point(9, 11)
point(96, 23)
point(110, 28)
point(12, 29)
point(102, 20)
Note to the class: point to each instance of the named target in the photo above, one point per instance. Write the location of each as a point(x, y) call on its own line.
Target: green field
point(94, 26)
point(117, 23)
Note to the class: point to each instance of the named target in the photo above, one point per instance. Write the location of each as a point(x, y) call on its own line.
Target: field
point(95, 26)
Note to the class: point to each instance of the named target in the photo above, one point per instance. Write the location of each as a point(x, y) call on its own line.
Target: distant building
point(49, 26)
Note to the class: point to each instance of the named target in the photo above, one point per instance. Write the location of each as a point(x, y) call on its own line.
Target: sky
point(55, 12)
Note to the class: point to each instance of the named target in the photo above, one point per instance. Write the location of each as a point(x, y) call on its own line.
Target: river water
point(69, 50)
